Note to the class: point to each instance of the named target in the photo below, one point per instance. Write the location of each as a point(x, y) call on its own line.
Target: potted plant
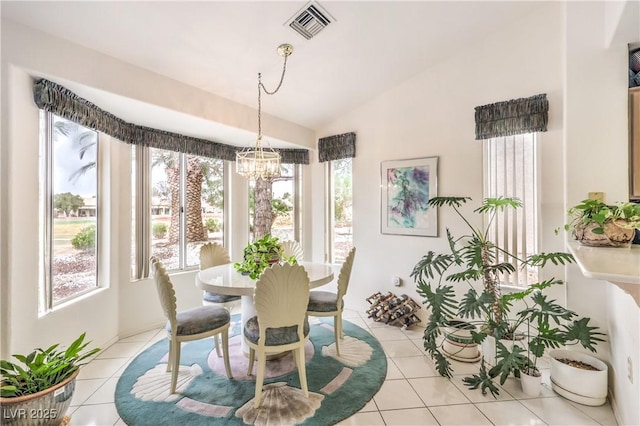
point(595, 223)
point(543, 324)
point(475, 259)
point(260, 255)
point(38, 389)
point(579, 377)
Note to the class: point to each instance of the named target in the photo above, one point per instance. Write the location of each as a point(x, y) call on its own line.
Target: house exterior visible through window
point(510, 171)
point(70, 200)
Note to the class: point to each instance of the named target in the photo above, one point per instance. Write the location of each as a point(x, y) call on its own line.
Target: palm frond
point(81, 171)
point(490, 205)
point(581, 332)
point(541, 259)
point(431, 264)
point(482, 380)
point(441, 301)
point(467, 275)
point(544, 310)
point(447, 201)
point(473, 305)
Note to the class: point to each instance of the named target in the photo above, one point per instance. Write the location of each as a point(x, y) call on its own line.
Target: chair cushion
point(218, 298)
point(322, 301)
point(275, 336)
point(200, 320)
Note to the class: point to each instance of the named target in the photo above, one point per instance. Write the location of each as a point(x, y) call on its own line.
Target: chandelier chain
point(258, 162)
point(262, 87)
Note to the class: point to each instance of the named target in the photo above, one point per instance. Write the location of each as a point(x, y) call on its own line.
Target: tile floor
point(412, 394)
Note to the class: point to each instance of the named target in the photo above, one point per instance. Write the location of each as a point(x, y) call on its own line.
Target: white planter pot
point(576, 384)
point(488, 346)
point(458, 344)
point(531, 385)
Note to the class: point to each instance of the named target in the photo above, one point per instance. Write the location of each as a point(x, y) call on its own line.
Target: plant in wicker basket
point(595, 223)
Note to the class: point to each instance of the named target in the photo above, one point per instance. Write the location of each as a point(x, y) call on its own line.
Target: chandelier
point(258, 161)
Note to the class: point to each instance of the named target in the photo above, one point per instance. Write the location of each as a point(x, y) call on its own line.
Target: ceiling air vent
point(310, 20)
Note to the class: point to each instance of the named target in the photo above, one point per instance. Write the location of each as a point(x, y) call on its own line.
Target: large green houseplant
point(38, 388)
point(595, 223)
point(260, 254)
point(479, 262)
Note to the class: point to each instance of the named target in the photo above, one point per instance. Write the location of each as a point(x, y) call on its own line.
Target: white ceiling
point(221, 46)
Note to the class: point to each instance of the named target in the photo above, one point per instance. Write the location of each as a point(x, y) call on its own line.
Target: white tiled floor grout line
point(418, 380)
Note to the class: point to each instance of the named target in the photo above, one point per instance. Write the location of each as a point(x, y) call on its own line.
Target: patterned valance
point(59, 100)
point(337, 147)
point(514, 117)
point(293, 156)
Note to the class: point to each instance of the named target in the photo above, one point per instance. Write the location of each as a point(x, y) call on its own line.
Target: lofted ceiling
point(221, 46)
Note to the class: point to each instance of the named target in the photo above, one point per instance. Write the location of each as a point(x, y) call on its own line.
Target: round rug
point(338, 386)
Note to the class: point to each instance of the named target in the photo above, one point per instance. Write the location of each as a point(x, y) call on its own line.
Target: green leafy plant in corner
point(479, 262)
point(42, 368)
point(260, 254)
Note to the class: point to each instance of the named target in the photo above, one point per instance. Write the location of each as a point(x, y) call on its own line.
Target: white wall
point(432, 114)
point(596, 141)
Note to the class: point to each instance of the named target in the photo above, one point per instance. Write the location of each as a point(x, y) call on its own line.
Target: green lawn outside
point(69, 227)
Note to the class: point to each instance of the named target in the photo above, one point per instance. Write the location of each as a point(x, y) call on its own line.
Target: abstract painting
point(407, 186)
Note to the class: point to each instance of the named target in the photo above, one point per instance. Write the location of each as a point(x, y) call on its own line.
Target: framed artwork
point(407, 186)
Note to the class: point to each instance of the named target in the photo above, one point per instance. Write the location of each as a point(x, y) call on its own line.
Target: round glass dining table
point(224, 279)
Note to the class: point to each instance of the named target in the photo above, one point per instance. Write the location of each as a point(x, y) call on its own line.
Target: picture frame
point(407, 186)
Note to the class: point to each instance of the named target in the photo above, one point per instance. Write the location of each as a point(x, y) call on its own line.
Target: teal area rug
point(338, 386)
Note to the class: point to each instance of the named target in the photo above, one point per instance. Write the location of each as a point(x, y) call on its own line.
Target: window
point(285, 198)
point(71, 206)
point(178, 206)
point(340, 209)
point(510, 171)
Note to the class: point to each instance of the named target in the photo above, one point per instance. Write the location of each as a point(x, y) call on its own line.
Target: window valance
point(59, 100)
point(514, 117)
point(337, 147)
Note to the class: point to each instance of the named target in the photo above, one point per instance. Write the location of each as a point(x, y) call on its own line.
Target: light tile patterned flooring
point(412, 394)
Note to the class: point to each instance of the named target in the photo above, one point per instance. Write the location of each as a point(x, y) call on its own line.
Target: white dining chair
point(193, 324)
point(280, 300)
point(329, 304)
point(213, 254)
point(292, 248)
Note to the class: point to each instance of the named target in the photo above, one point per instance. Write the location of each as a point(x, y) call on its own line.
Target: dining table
point(225, 279)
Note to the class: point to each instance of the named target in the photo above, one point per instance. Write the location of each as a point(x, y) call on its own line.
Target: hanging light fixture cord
point(262, 87)
point(258, 162)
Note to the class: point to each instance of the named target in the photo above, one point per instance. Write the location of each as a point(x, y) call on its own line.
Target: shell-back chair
point(292, 248)
point(280, 299)
point(192, 324)
point(213, 254)
point(329, 304)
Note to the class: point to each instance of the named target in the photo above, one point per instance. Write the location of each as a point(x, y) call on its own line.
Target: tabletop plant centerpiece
point(595, 223)
point(261, 254)
point(38, 389)
point(479, 262)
